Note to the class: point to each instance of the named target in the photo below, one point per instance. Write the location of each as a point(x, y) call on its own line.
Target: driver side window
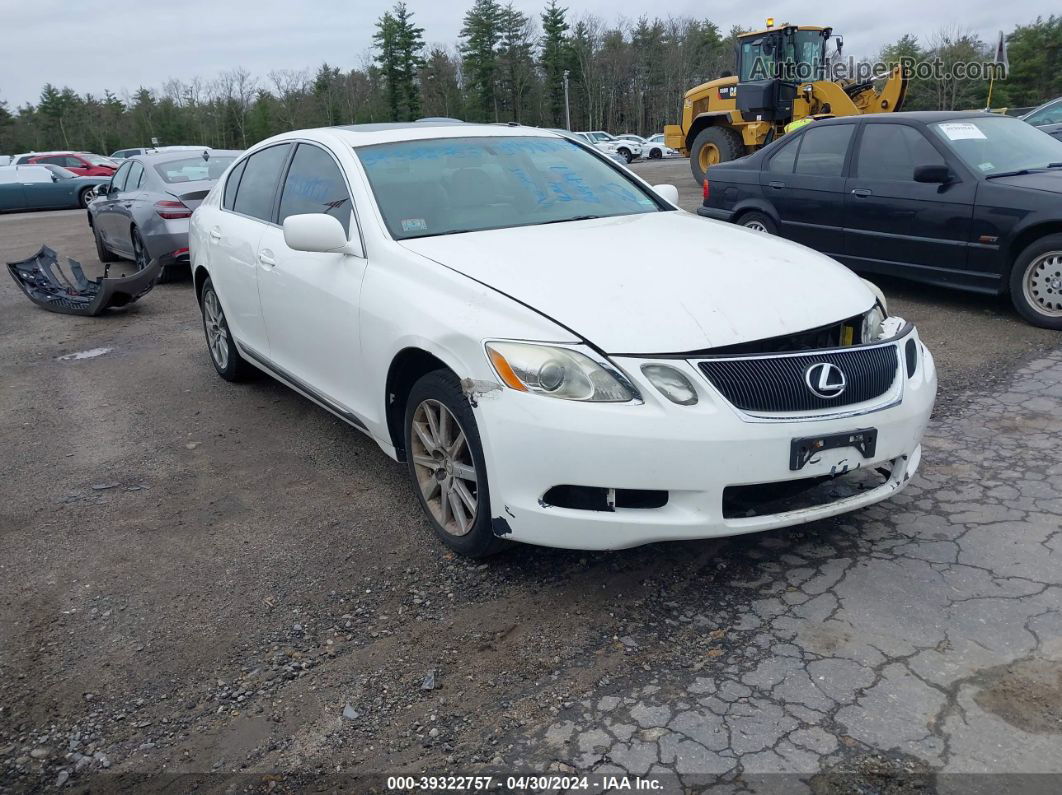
point(893, 151)
point(118, 180)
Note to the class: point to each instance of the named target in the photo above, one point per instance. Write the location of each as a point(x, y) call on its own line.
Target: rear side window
point(783, 160)
point(231, 184)
point(892, 151)
point(135, 174)
point(315, 185)
point(258, 186)
point(822, 150)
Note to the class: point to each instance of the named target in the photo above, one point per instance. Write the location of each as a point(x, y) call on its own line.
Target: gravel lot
point(219, 581)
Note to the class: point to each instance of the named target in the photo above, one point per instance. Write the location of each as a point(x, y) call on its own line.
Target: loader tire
point(714, 145)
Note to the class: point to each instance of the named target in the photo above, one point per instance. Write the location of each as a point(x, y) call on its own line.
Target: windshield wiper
point(565, 220)
point(1022, 171)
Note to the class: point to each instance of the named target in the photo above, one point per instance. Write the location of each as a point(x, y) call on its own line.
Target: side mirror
point(318, 233)
point(935, 174)
point(668, 193)
point(103, 190)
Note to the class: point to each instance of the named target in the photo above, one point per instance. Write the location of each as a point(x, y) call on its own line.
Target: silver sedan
point(142, 213)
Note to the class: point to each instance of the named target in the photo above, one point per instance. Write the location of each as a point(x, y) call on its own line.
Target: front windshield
point(193, 169)
point(450, 185)
point(1051, 113)
point(999, 144)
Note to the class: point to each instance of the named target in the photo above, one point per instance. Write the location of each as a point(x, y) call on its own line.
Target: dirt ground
point(216, 580)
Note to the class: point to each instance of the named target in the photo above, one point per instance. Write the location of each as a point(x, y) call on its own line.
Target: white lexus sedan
point(558, 353)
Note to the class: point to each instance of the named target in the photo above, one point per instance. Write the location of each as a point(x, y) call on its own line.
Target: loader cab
point(771, 64)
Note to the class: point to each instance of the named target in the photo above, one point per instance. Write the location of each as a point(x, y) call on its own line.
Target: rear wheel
point(1036, 283)
point(759, 222)
point(223, 353)
point(446, 465)
point(714, 145)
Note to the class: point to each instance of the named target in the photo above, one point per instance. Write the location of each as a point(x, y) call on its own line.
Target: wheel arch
point(1025, 238)
point(755, 206)
point(703, 122)
point(407, 366)
point(199, 278)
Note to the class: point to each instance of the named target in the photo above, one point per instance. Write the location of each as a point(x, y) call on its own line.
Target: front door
point(310, 300)
point(896, 225)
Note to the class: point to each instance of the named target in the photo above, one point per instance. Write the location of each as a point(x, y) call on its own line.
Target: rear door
point(104, 207)
point(43, 190)
point(233, 234)
point(124, 207)
point(896, 225)
point(310, 300)
point(805, 183)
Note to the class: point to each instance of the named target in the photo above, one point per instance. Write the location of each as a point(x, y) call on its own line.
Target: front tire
point(223, 352)
point(625, 154)
point(446, 465)
point(1036, 283)
point(711, 146)
point(655, 154)
point(84, 197)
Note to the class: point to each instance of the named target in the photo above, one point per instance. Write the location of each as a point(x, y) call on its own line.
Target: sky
point(92, 45)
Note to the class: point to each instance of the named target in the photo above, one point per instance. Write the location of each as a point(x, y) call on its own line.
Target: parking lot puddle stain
point(1026, 694)
point(89, 354)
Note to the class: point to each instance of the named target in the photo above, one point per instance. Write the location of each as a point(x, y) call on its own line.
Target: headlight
point(872, 321)
point(877, 294)
point(556, 372)
point(674, 385)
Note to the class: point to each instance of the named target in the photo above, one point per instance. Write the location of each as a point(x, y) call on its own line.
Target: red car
point(82, 164)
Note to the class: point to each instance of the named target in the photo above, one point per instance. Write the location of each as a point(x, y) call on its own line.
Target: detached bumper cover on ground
point(69, 292)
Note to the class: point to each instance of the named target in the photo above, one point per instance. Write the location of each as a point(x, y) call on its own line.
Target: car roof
point(918, 116)
point(369, 134)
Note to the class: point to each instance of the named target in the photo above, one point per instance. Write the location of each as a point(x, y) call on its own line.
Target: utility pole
point(567, 108)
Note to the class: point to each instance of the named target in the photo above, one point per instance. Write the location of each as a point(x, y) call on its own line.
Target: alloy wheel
point(217, 331)
point(1043, 284)
point(445, 470)
point(756, 225)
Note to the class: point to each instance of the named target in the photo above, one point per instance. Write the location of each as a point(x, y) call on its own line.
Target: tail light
point(171, 210)
point(707, 191)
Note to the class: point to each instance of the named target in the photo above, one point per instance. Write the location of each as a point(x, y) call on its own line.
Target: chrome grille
point(776, 383)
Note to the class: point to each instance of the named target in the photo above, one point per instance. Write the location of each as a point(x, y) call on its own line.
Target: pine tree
point(555, 58)
point(399, 43)
point(482, 32)
point(515, 58)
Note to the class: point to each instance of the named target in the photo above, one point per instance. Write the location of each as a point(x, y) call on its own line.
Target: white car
point(652, 148)
point(558, 353)
point(628, 150)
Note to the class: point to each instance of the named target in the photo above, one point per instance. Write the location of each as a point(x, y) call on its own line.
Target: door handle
point(777, 185)
point(266, 258)
point(215, 234)
point(862, 192)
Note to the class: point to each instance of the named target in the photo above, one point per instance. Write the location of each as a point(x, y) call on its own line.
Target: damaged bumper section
point(705, 470)
point(65, 289)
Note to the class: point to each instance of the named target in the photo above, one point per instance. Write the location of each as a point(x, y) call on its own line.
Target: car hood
point(1050, 181)
point(665, 282)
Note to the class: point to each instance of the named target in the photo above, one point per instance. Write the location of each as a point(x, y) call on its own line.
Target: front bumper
point(533, 443)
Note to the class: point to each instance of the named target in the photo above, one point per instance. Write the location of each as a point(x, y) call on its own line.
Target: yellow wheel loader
point(783, 76)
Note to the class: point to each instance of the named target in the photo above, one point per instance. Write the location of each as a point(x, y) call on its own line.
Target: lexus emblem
point(825, 380)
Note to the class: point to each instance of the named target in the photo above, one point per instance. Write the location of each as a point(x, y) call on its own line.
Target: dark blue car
point(968, 200)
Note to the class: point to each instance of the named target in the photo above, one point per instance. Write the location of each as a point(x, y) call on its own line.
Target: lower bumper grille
point(787, 383)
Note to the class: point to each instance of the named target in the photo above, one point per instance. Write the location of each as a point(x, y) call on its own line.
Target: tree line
point(622, 76)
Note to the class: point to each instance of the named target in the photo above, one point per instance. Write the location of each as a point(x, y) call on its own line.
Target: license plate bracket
point(804, 448)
